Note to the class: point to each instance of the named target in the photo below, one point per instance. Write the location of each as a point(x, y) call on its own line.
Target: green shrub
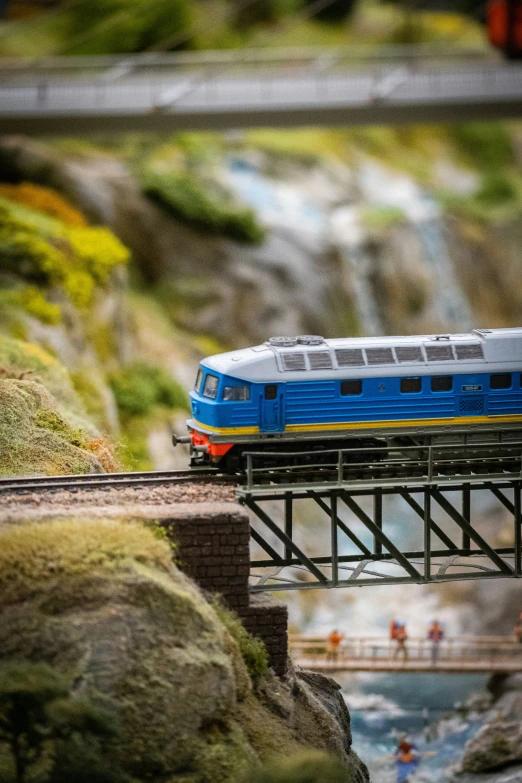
point(110, 26)
point(308, 766)
point(40, 722)
point(484, 144)
point(140, 386)
point(252, 649)
point(497, 188)
point(184, 197)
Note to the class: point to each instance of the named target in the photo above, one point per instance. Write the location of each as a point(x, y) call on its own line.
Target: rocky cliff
point(104, 604)
point(494, 754)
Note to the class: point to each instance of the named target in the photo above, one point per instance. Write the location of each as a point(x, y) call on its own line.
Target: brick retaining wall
point(213, 548)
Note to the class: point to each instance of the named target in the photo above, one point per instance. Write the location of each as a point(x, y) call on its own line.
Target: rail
point(22, 484)
point(383, 465)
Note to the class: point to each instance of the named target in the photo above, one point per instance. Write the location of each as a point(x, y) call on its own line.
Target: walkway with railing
point(253, 88)
point(467, 654)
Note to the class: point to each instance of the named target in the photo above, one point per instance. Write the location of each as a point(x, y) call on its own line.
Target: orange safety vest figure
point(399, 635)
point(334, 640)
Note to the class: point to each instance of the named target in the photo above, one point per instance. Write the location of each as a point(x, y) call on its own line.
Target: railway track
point(303, 474)
point(19, 485)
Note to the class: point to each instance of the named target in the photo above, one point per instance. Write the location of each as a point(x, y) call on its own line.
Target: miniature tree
point(38, 716)
point(25, 691)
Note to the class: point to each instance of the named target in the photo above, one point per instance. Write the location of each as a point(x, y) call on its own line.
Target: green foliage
point(186, 198)
point(337, 11)
point(36, 711)
point(382, 218)
point(309, 766)
point(497, 188)
point(44, 251)
point(252, 649)
point(106, 26)
point(132, 448)
point(485, 145)
point(50, 420)
point(89, 389)
point(31, 299)
point(139, 387)
point(262, 12)
point(81, 762)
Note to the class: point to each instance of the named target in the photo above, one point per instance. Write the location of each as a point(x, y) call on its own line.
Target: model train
point(308, 393)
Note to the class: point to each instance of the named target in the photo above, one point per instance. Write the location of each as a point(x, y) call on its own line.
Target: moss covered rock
point(495, 746)
point(25, 361)
point(103, 603)
point(35, 438)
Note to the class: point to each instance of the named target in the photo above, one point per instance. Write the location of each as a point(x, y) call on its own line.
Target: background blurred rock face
point(356, 248)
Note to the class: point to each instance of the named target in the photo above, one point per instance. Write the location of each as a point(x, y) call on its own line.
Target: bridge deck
point(411, 666)
point(469, 655)
point(130, 94)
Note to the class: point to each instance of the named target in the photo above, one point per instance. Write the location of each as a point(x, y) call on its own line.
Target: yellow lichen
point(31, 299)
point(48, 252)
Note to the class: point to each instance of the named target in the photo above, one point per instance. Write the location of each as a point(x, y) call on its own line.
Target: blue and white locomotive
point(306, 392)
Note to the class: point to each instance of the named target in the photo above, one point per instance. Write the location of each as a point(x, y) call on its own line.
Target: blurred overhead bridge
point(238, 89)
point(470, 655)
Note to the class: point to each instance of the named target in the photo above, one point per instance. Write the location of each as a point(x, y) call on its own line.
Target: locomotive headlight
point(236, 393)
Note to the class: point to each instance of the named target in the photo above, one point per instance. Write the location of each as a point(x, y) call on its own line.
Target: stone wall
point(213, 548)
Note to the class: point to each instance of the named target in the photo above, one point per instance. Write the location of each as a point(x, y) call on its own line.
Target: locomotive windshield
point(211, 386)
point(199, 378)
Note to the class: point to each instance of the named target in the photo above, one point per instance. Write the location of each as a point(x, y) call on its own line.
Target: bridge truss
point(329, 530)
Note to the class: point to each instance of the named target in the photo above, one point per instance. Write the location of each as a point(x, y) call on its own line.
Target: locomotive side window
point(500, 381)
point(351, 387)
point(211, 386)
point(270, 392)
point(199, 378)
point(236, 393)
point(441, 383)
point(410, 385)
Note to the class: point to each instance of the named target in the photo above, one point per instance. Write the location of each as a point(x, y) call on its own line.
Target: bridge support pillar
point(213, 548)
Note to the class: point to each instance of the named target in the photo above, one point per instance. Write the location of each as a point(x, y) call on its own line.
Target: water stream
point(385, 707)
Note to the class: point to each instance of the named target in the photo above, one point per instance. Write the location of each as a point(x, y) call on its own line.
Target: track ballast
point(87, 481)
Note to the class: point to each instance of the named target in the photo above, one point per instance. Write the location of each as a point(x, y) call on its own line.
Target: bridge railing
point(249, 81)
point(383, 465)
point(419, 649)
point(302, 56)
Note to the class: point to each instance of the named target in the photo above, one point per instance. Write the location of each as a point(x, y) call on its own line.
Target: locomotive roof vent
point(282, 342)
point(310, 339)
